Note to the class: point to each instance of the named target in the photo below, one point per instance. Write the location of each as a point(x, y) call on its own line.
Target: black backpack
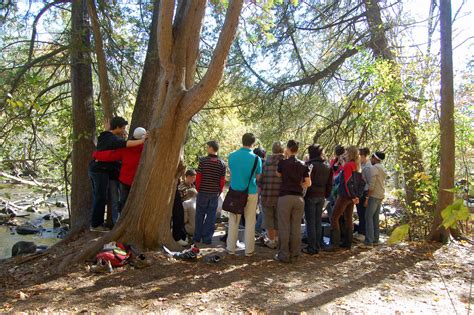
point(354, 188)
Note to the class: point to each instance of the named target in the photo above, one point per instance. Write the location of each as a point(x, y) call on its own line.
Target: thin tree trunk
point(404, 128)
point(147, 95)
point(83, 117)
point(105, 91)
point(447, 150)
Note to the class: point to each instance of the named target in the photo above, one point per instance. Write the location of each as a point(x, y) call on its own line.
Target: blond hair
point(352, 154)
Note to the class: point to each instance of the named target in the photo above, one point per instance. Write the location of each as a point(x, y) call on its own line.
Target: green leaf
point(399, 234)
point(454, 213)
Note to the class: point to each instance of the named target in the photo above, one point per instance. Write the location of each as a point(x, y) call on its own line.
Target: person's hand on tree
point(366, 202)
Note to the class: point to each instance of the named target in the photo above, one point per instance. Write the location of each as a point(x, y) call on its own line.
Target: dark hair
point(190, 172)
point(293, 146)
point(213, 144)
point(248, 139)
point(260, 152)
point(379, 154)
point(117, 122)
point(315, 151)
point(364, 151)
point(339, 150)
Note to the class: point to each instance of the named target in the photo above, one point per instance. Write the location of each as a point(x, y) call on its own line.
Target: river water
point(26, 195)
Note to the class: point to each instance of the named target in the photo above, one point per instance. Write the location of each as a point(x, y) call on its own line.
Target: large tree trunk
point(447, 150)
point(404, 127)
point(82, 116)
point(105, 91)
point(148, 88)
point(146, 217)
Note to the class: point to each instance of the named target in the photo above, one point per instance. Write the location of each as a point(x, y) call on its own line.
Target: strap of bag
point(251, 173)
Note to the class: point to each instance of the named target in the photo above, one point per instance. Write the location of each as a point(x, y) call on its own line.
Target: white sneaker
point(183, 243)
point(360, 237)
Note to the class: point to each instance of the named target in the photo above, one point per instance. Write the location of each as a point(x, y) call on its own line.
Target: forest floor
point(407, 278)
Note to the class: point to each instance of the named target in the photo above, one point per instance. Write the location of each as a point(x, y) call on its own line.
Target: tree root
point(90, 249)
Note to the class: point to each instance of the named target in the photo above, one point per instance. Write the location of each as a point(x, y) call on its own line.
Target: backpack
point(336, 185)
point(354, 188)
point(117, 253)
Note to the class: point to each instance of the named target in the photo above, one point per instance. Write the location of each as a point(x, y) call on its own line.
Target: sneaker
point(249, 254)
point(277, 258)
point(230, 252)
point(183, 243)
point(366, 246)
point(360, 237)
point(309, 252)
point(270, 244)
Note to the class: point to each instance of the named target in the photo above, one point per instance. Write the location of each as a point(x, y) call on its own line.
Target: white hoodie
point(376, 180)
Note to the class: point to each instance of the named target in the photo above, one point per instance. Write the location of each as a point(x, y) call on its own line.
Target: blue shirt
point(240, 165)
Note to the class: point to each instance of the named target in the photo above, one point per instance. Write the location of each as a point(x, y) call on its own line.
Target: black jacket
point(321, 179)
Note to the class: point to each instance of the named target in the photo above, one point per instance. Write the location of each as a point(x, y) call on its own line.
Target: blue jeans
point(100, 186)
point(372, 221)
point(114, 196)
point(313, 209)
point(206, 208)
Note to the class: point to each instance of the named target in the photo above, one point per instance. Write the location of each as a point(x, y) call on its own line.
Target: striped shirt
point(210, 175)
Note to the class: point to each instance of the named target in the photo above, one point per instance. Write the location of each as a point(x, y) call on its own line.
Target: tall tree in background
point(403, 125)
point(447, 132)
point(105, 91)
point(146, 217)
point(82, 116)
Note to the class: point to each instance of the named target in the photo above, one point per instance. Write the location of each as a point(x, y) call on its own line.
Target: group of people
point(282, 192)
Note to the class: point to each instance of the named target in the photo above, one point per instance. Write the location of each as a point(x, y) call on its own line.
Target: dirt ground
point(408, 278)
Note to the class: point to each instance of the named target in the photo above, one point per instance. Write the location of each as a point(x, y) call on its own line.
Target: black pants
point(124, 191)
point(179, 232)
point(361, 213)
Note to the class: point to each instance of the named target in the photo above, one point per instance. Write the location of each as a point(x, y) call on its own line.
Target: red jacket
point(130, 158)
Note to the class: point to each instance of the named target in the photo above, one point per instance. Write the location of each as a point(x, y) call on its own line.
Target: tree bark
point(145, 220)
point(105, 91)
point(447, 141)
point(83, 117)
point(404, 127)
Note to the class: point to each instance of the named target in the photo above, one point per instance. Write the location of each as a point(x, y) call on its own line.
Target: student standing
point(101, 173)
point(365, 166)
point(241, 163)
point(336, 166)
point(344, 204)
point(270, 183)
point(376, 193)
point(295, 177)
point(320, 189)
point(210, 180)
point(130, 158)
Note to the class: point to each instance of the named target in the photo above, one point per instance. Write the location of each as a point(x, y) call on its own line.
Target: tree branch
point(35, 23)
point(165, 33)
point(197, 97)
point(105, 92)
point(333, 66)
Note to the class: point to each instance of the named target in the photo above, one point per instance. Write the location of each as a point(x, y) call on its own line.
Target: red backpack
point(118, 254)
